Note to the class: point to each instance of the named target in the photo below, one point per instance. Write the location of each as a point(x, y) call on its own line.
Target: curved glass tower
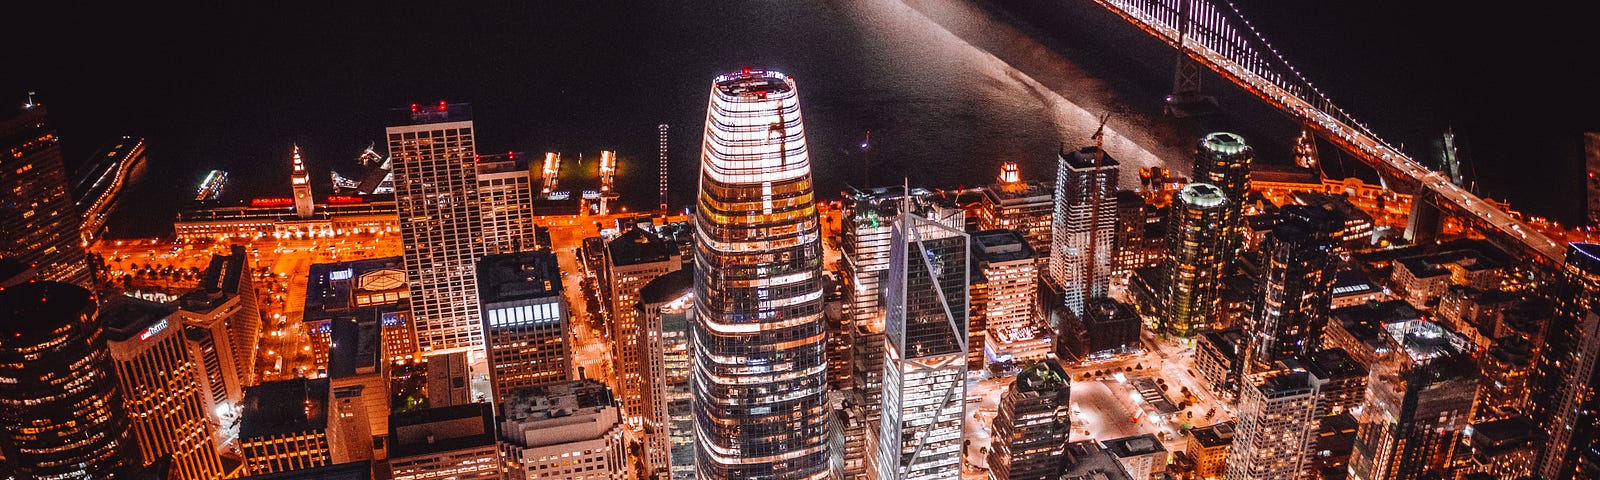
point(1194, 258)
point(759, 371)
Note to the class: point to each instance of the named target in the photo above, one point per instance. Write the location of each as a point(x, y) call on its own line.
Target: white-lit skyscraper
point(441, 225)
point(759, 342)
point(1083, 233)
point(925, 354)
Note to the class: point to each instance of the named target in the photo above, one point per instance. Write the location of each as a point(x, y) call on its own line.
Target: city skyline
point(1142, 293)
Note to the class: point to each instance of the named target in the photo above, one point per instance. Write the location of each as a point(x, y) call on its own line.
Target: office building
point(1025, 206)
point(666, 307)
point(1562, 396)
point(1223, 160)
point(1129, 242)
point(300, 181)
point(451, 443)
point(760, 371)
point(449, 380)
point(564, 431)
point(925, 355)
point(369, 289)
point(358, 377)
point(441, 224)
point(1277, 426)
point(1219, 357)
point(525, 320)
point(1032, 425)
point(61, 415)
point(229, 276)
point(203, 316)
point(43, 230)
point(1295, 286)
point(284, 426)
point(1344, 381)
point(505, 198)
point(632, 260)
point(1358, 329)
point(1194, 264)
point(1209, 447)
point(1083, 232)
point(1108, 328)
point(1140, 456)
point(1419, 401)
point(1005, 303)
point(161, 387)
point(1507, 448)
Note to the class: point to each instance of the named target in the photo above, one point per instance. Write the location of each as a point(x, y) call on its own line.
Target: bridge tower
point(1187, 99)
point(1424, 224)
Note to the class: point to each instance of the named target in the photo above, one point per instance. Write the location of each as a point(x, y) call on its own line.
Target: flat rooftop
point(284, 407)
point(518, 276)
point(1000, 245)
point(434, 430)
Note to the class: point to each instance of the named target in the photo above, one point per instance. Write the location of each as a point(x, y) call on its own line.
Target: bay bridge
point(1213, 34)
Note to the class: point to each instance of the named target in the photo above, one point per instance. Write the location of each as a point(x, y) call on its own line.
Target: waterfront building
point(61, 415)
point(300, 181)
point(98, 185)
point(284, 426)
point(1025, 206)
point(1032, 425)
point(526, 320)
point(665, 310)
point(1419, 400)
point(441, 224)
point(759, 340)
point(1223, 160)
point(1083, 231)
point(1295, 286)
point(564, 431)
point(451, 443)
point(43, 230)
point(1004, 305)
point(1195, 261)
point(1562, 393)
point(925, 354)
point(1277, 425)
point(161, 387)
point(632, 260)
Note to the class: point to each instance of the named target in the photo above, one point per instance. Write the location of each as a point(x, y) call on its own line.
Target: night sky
point(237, 85)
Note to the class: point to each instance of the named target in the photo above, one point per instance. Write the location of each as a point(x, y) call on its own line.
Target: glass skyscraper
point(42, 228)
point(759, 342)
point(1194, 258)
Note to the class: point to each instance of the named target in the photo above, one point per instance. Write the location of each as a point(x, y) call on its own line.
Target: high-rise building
point(358, 376)
point(1106, 329)
point(665, 310)
point(1006, 304)
point(161, 387)
point(1419, 401)
point(1506, 448)
point(505, 197)
point(1277, 426)
point(1083, 233)
point(284, 426)
point(925, 355)
point(1591, 149)
point(38, 223)
point(632, 260)
point(564, 431)
point(441, 224)
point(1129, 244)
point(1562, 393)
point(61, 416)
point(300, 179)
point(1194, 258)
point(1209, 447)
point(204, 316)
point(1223, 160)
point(1032, 425)
point(451, 443)
point(1024, 206)
point(229, 276)
point(759, 340)
point(525, 320)
point(1344, 382)
point(1295, 288)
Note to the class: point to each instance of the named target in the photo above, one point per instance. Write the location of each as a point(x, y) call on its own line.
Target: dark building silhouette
point(38, 220)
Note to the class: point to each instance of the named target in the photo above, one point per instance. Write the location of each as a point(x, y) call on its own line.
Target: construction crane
point(1095, 198)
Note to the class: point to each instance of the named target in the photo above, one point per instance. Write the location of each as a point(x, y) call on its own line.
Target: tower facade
point(1033, 424)
point(441, 224)
point(62, 418)
point(1562, 397)
point(525, 321)
point(42, 229)
point(505, 196)
point(1295, 288)
point(925, 354)
point(162, 386)
point(759, 341)
point(1419, 400)
point(300, 179)
point(1277, 426)
point(1083, 233)
point(1194, 258)
point(1223, 159)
